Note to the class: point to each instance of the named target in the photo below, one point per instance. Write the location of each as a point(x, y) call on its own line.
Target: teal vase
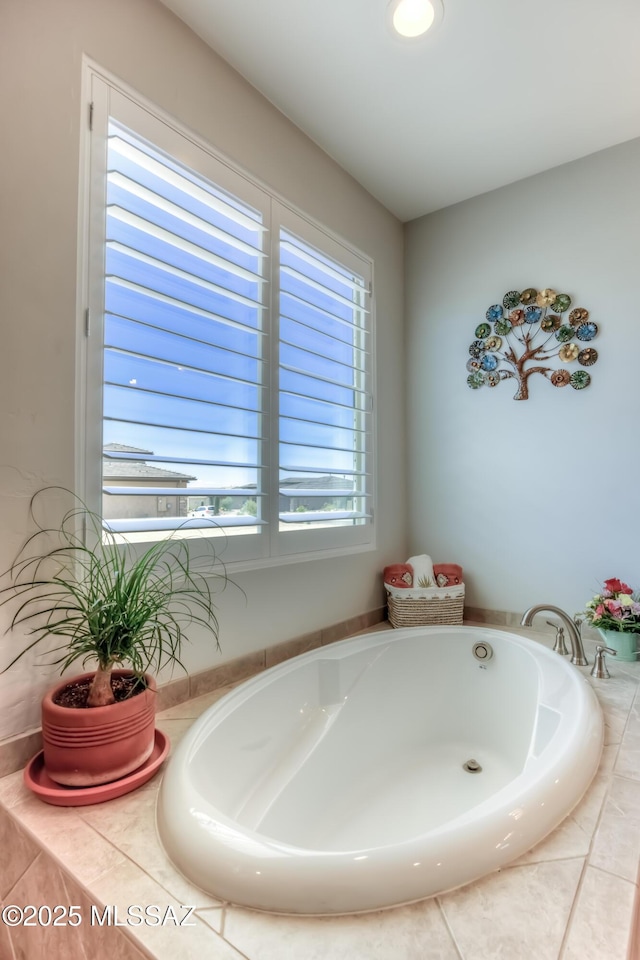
point(625, 644)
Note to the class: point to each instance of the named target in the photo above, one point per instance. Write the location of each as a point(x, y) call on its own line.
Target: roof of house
point(124, 448)
point(320, 482)
point(132, 470)
point(113, 469)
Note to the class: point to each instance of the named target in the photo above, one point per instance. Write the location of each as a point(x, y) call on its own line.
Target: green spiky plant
point(113, 606)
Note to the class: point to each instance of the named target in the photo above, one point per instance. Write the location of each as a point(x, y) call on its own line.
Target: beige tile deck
point(570, 898)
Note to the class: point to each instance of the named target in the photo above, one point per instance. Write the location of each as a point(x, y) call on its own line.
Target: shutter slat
point(165, 300)
point(333, 448)
point(172, 426)
point(145, 457)
point(296, 492)
point(336, 383)
point(116, 491)
point(318, 354)
point(313, 309)
point(179, 213)
point(177, 274)
point(327, 516)
point(162, 235)
point(356, 283)
point(319, 288)
point(337, 471)
point(122, 148)
point(349, 330)
point(212, 376)
point(289, 418)
point(135, 389)
point(161, 524)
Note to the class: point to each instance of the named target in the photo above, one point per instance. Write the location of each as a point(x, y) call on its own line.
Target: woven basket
point(423, 606)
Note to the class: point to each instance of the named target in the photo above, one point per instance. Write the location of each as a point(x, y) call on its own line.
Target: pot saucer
point(37, 780)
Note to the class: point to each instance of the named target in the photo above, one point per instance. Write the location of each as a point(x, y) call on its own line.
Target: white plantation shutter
point(324, 387)
point(182, 392)
point(233, 342)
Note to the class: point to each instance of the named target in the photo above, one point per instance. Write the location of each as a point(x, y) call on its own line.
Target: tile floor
point(570, 898)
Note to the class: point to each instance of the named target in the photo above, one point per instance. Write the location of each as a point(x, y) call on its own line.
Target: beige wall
point(536, 499)
point(143, 44)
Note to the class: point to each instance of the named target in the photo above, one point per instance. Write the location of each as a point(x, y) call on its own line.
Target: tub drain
point(472, 766)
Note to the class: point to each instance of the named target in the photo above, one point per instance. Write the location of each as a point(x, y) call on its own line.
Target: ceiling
point(498, 91)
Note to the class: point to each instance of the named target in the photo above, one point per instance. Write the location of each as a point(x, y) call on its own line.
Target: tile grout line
point(25, 871)
point(574, 904)
point(443, 914)
point(140, 867)
point(241, 953)
point(587, 859)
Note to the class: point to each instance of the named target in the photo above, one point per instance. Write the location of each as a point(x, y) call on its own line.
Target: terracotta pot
point(86, 747)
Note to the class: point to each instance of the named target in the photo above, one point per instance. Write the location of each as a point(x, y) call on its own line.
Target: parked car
point(203, 511)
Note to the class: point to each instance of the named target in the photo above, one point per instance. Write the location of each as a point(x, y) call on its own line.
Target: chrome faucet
point(577, 650)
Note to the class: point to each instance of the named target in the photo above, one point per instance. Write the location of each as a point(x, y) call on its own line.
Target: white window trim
point(102, 95)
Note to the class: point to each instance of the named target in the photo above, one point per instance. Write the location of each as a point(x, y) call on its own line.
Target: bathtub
point(343, 780)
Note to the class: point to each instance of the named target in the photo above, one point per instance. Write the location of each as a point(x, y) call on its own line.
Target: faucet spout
point(577, 650)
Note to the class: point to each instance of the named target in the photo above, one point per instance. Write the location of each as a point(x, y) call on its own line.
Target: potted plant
point(121, 609)
point(615, 612)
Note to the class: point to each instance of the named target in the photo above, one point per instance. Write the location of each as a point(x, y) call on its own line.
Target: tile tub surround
point(15, 752)
point(570, 898)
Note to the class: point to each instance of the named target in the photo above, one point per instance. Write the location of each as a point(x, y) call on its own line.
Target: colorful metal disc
point(528, 296)
point(587, 331)
point(577, 316)
point(560, 378)
point(511, 299)
point(494, 312)
point(588, 356)
point(580, 379)
point(551, 322)
point(489, 362)
point(546, 297)
point(569, 352)
point(565, 333)
point(561, 303)
point(483, 330)
point(476, 379)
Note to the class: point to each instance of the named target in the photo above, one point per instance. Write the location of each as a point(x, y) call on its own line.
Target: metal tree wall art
point(526, 334)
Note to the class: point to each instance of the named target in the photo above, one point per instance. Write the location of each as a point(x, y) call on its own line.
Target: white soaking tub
point(336, 783)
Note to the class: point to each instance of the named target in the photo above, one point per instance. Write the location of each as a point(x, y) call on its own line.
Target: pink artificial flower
point(599, 610)
point(615, 608)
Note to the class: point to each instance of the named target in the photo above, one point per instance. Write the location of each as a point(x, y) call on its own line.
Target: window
point(229, 354)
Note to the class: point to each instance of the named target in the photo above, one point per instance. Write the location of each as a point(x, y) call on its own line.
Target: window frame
point(106, 98)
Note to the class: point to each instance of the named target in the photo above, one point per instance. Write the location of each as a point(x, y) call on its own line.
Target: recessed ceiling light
point(412, 18)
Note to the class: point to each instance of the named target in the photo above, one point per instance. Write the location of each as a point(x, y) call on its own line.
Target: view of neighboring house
point(132, 475)
point(292, 502)
point(123, 477)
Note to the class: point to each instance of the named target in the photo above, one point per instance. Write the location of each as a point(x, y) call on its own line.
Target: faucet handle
point(559, 646)
point(599, 670)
